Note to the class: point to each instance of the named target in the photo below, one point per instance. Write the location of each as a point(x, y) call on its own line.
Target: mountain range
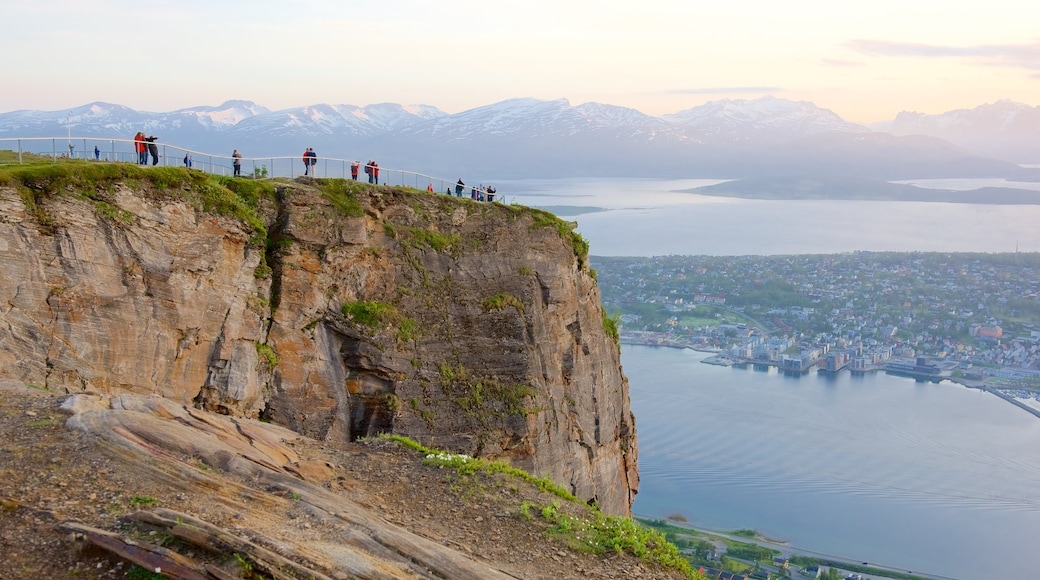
point(528, 137)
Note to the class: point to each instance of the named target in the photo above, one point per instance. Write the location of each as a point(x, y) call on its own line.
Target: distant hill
point(850, 188)
point(1004, 130)
point(527, 137)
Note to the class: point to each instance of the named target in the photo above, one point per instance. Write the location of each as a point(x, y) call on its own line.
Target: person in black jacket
point(153, 148)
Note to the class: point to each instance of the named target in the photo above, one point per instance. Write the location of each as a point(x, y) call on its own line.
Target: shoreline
point(719, 359)
point(787, 549)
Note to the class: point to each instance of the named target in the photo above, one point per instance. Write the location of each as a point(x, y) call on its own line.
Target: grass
point(484, 398)
point(593, 533)
point(267, 355)
point(377, 316)
point(142, 501)
point(610, 326)
point(437, 241)
point(368, 313)
point(503, 300)
point(45, 422)
point(466, 465)
point(343, 195)
point(545, 219)
point(96, 182)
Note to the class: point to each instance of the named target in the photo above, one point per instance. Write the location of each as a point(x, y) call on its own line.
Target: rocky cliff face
point(339, 310)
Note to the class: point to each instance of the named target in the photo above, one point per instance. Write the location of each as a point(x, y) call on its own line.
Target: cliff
point(336, 309)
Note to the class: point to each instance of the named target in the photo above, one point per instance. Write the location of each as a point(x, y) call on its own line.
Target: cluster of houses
point(978, 314)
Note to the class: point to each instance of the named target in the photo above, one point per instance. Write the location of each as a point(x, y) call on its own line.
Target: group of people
point(477, 194)
point(372, 171)
point(310, 159)
point(143, 146)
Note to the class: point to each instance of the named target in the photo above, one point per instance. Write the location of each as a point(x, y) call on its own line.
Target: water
point(936, 478)
point(648, 217)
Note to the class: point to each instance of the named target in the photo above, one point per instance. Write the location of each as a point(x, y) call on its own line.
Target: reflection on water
point(930, 477)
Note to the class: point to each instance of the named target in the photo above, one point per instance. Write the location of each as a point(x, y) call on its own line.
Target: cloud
point(724, 90)
point(1014, 55)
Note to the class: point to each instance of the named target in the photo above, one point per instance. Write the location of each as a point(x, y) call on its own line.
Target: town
point(968, 317)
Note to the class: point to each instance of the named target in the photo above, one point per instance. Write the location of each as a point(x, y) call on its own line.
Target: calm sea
point(647, 217)
point(936, 478)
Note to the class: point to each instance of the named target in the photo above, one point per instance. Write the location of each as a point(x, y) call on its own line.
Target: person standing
point(458, 188)
point(375, 171)
point(153, 149)
point(370, 170)
point(97, 153)
point(236, 159)
point(354, 169)
point(141, 148)
point(188, 161)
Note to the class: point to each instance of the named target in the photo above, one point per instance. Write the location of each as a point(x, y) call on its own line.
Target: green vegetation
point(503, 300)
point(45, 422)
point(544, 219)
point(484, 398)
point(465, 465)
point(610, 326)
point(8, 156)
point(267, 355)
point(96, 182)
point(342, 194)
point(603, 534)
point(437, 241)
point(592, 533)
point(369, 313)
point(379, 315)
point(245, 564)
point(142, 501)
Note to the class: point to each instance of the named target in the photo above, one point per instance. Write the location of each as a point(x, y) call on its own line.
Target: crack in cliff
point(276, 238)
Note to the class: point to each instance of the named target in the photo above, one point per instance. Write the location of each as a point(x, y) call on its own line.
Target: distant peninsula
point(853, 188)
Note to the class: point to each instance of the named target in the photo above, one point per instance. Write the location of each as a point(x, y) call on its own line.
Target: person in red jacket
point(375, 172)
point(353, 170)
point(140, 148)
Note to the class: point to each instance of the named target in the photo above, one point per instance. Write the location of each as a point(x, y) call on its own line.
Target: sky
point(865, 61)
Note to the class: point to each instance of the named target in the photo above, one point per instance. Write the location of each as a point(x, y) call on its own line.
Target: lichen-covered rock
point(469, 326)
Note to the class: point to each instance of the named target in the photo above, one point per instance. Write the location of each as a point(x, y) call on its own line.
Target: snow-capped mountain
point(549, 138)
point(758, 119)
point(224, 116)
point(532, 118)
point(1004, 129)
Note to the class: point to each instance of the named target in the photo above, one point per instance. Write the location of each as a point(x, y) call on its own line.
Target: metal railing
point(123, 151)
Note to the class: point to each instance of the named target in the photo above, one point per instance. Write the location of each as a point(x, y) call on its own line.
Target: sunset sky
point(865, 61)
